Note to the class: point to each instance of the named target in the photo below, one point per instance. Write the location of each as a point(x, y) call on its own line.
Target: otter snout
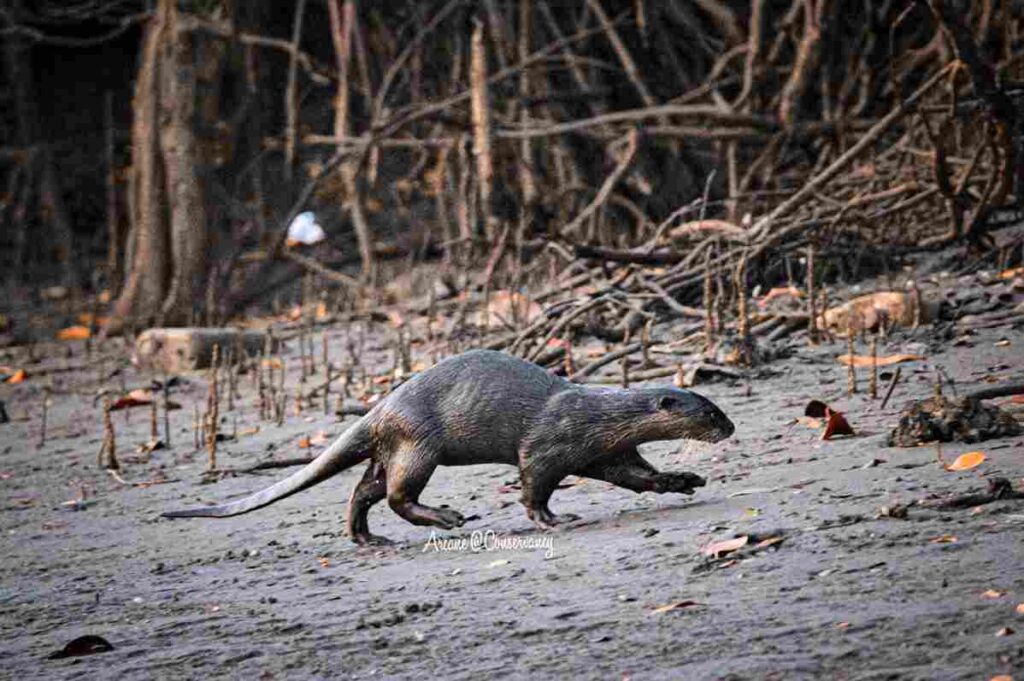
point(721, 426)
point(697, 416)
point(712, 423)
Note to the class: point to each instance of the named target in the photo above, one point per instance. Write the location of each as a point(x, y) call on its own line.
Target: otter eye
point(666, 402)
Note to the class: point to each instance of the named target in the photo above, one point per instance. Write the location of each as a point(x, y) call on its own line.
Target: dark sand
point(282, 593)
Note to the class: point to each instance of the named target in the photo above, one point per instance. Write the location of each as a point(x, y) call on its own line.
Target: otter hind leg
point(633, 472)
point(408, 471)
point(372, 488)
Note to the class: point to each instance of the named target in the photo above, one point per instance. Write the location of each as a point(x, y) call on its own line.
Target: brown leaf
point(83, 645)
point(716, 549)
point(304, 442)
point(866, 361)
point(966, 462)
point(678, 605)
point(992, 593)
point(321, 438)
point(1010, 274)
point(837, 425)
point(770, 541)
point(74, 333)
point(779, 292)
point(809, 422)
point(18, 376)
point(943, 539)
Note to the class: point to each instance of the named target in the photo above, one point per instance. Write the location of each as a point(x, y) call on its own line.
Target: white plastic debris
point(305, 230)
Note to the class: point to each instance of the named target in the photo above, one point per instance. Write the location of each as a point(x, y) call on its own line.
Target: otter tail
point(351, 448)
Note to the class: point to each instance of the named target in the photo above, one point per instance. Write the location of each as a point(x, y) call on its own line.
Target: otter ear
point(667, 402)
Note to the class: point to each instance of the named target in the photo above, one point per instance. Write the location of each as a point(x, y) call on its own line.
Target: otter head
point(681, 414)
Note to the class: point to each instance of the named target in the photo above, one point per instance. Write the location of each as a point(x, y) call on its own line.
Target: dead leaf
point(1005, 631)
point(151, 446)
point(809, 422)
point(321, 438)
point(1020, 608)
point(18, 376)
point(770, 541)
point(678, 605)
point(870, 311)
point(1010, 274)
point(1003, 343)
point(74, 333)
point(780, 292)
point(816, 409)
point(966, 462)
point(140, 397)
point(1002, 677)
point(83, 645)
point(992, 593)
point(716, 549)
point(866, 361)
point(843, 625)
point(836, 425)
point(324, 562)
point(304, 442)
point(943, 539)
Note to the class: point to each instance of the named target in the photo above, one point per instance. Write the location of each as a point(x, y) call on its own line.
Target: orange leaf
point(304, 442)
point(678, 605)
point(780, 291)
point(715, 549)
point(1010, 274)
point(966, 462)
point(128, 401)
point(88, 318)
point(992, 593)
point(943, 539)
point(836, 425)
point(1002, 677)
point(74, 333)
point(1020, 608)
point(18, 376)
point(770, 541)
point(866, 361)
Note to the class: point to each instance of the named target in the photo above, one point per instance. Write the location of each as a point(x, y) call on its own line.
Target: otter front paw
point(682, 483)
point(449, 519)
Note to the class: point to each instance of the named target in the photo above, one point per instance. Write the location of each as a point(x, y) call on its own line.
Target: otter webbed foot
point(367, 539)
point(544, 519)
point(682, 483)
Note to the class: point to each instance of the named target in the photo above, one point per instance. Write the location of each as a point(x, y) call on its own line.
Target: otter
point(485, 406)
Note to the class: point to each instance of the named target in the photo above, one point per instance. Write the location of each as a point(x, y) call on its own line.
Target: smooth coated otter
point(489, 407)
